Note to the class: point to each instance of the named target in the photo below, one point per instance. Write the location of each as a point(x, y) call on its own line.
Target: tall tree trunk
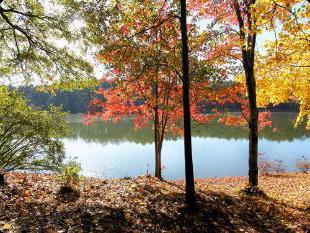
point(248, 57)
point(253, 122)
point(189, 173)
point(1, 179)
point(156, 137)
point(253, 126)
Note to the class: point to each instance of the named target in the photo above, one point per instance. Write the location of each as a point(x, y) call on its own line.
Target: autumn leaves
point(143, 50)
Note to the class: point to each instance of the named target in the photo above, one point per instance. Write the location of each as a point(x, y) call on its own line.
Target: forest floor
point(31, 203)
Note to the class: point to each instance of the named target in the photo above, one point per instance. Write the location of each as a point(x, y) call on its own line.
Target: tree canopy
point(40, 42)
point(284, 69)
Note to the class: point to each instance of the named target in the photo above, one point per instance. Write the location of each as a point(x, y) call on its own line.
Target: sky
point(99, 69)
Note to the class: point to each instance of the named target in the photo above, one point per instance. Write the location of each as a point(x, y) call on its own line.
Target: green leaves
point(29, 137)
point(39, 42)
point(69, 173)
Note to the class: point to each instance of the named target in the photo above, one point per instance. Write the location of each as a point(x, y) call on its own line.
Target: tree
point(189, 171)
point(146, 102)
point(250, 17)
point(73, 101)
point(144, 84)
point(248, 53)
point(147, 83)
point(29, 138)
point(283, 70)
point(36, 40)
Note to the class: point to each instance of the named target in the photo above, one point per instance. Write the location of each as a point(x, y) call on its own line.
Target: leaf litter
point(30, 203)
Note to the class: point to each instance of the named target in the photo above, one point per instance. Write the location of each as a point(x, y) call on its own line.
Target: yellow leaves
point(6, 227)
point(283, 73)
point(26, 194)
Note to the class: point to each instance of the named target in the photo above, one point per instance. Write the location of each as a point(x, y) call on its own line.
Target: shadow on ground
point(158, 210)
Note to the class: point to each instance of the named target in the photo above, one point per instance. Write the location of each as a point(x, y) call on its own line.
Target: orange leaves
point(233, 120)
point(124, 29)
point(142, 55)
point(140, 51)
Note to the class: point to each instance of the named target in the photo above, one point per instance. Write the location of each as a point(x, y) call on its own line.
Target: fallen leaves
point(6, 227)
point(30, 202)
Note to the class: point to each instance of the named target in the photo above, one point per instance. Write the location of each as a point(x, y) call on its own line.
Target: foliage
point(76, 101)
point(147, 83)
point(303, 164)
point(267, 166)
point(235, 94)
point(29, 138)
point(283, 68)
point(155, 67)
point(242, 22)
point(69, 173)
point(73, 101)
point(40, 42)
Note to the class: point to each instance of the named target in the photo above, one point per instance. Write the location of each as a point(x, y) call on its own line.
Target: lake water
point(107, 150)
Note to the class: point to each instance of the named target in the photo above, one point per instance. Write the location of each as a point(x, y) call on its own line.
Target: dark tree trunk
point(158, 166)
point(157, 138)
point(248, 58)
point(189, 173)
point(253, 121)
point(253, 126)
point(1, 179)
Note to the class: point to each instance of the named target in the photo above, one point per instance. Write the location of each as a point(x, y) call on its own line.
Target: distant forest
point(77, 101)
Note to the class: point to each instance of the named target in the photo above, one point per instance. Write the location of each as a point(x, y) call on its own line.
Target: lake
point(108, 150)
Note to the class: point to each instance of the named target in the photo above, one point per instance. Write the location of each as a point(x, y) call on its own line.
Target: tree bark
point(189, 173)
point(248, 58)
point(157, 138)
point(253, 126)
point(253, 121)
point(1, 179)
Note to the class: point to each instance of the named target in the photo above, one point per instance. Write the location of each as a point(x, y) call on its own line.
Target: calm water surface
point(107, 150)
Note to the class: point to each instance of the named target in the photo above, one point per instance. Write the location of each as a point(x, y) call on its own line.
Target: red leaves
point(149, 57)
point(136, 100)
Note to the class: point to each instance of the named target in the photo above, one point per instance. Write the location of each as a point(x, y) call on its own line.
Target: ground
point(31, 203)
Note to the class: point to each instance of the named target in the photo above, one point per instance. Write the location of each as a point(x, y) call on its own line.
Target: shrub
point(30, 138)
point(69, 173)
point(303, 164)
point(267, 166)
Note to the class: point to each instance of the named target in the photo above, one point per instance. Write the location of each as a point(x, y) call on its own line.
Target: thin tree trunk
point(248, 57)
point(158, 157)
point(157, 151)
point(1, 179)
point(156, 137)
point(253, 126)
point(253, 121)
point(189, 173)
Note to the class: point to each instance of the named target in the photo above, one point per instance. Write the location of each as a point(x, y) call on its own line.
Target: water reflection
point(109, 150)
